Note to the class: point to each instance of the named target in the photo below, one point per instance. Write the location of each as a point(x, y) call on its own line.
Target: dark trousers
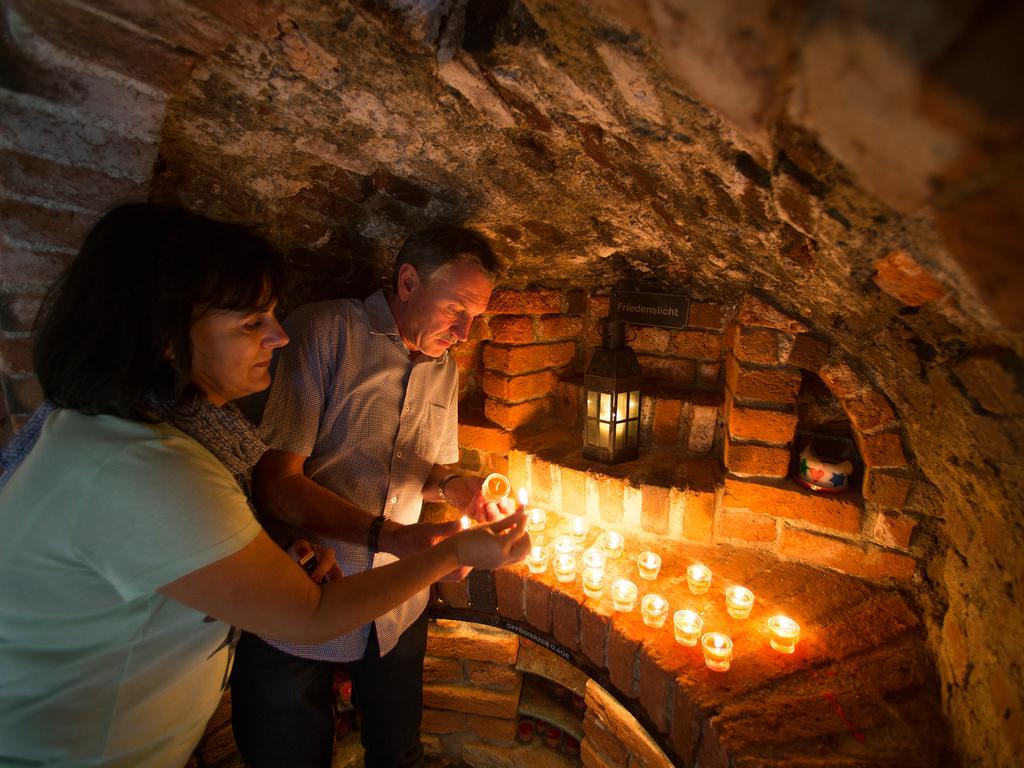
point(282, 706)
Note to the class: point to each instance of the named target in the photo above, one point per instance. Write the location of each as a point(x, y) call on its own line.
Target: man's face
point(439, 311)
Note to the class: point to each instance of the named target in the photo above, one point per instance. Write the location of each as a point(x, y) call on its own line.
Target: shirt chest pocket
point(430, 435)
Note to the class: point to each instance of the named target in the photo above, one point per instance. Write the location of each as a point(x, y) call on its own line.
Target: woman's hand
point(493, 545)
point(326, 569)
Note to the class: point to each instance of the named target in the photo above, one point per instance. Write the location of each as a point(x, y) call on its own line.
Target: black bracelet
point(440, 489)
point(371, 539)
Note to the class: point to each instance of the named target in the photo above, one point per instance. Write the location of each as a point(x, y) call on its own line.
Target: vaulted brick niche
point(836, 186)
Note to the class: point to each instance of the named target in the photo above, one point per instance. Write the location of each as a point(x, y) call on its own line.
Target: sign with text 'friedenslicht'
point(666, 310)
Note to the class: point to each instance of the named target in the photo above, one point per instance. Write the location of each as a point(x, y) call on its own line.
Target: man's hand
point(404, 540)
point(326, 570)
point(466, 493)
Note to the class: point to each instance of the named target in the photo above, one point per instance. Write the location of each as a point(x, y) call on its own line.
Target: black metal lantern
point(611, 388)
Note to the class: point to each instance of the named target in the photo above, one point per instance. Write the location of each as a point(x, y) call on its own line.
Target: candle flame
point(718, 642)
point(523, 498)
point(465, 522)
point(536, 552)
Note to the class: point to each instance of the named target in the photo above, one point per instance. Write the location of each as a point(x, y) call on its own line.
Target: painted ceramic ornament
point(820, 471)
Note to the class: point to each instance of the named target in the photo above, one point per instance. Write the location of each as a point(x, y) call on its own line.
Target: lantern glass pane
point(634, 426)
point(620, 434)
point(606, 406)
point(604, 434)
point(621, 408)
point(592, 432)
point(634, 404)
point(591, 405)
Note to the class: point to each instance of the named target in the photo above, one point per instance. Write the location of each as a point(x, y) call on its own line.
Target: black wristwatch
point(374, 535)
point(441, 486)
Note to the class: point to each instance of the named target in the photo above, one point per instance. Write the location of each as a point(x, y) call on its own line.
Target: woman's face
point(231, 352)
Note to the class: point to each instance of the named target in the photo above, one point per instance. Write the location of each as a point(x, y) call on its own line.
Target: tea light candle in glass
point(537, 560)
point(698, 578)
point(565, 545)
point(465, 522)
point(783, 633)
point(717, 651)
point(688, 625)
point(611, 543)
point(578, 527)
point(738, 602)
point(654, 609)
point(593, 582)
point(536, 519)
point(624, 594)
point(564, 566)
point(648, 563)
point(594, 558)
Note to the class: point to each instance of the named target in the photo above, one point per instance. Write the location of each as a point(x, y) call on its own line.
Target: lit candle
point(536, 519)
point(565, 567)
point(465, 522)
point(717, 651)
point(688, 625)
point(738, 602)
point(611, 543)
point(578, 528)
point(698, 577)
point(565, 545)
point(495, 487)
point(537, 560)
point(624, 594)
point(654, 609)
point(593, 582)
point(783, 633)
point(594, 558)
point(523, 498)
point(648, 564)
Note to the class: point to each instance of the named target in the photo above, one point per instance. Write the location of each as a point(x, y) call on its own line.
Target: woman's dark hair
point(130, 296)
point(430, 249)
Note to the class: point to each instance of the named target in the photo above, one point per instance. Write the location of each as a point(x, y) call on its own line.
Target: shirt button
point(394, 499)
point(398, 454)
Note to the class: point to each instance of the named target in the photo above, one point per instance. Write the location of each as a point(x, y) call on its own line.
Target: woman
point(126, 528)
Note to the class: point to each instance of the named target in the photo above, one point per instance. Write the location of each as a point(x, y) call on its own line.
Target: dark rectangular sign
point(666, 310)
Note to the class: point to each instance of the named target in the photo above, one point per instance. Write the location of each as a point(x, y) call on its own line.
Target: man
point(361, 421)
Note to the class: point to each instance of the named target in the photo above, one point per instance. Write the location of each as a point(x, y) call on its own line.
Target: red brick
point(609, 495)
point(443, 721)
point(493, 728)
point(598, 306)
point(508, 584)
point(885, 489)
point(65, 185)
point(485, 437)
point(674, 370)
point(843, 556)
point(699, 345)
point(440, 670)
point(667, 412)
point(745, 526)
point(622, 659)
point(480, 330)
point(684, 729)
point(467, 358)
point(453, 594)
point(654, 686)
point(516, 389)
point(900, 276)
point(703, 425)
point(757, 345)
point(594, 624)
point(779, 385)
point(699, 516)
point(565, 402)
point(749, 460)
point(755, 312)
point(807, 352)
point(529, 302)
point(489, 675)
point(16, 355)
point(511, 329)
point(883, 450)
point(565, 620)
point(654, 510)
point(552, 327)
point(538, 604)
point(704, 315)
point(472, 700)
point(540, 482)
point(869, 411)
point(893, 530)
point(708, 374)
point(842, 380)
point(786, 500)
point(514, 416)
point(612, 750)
point(574, 490)
point(645, 339)
point(529, 358)
point(775, 427)
point(30, 268)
